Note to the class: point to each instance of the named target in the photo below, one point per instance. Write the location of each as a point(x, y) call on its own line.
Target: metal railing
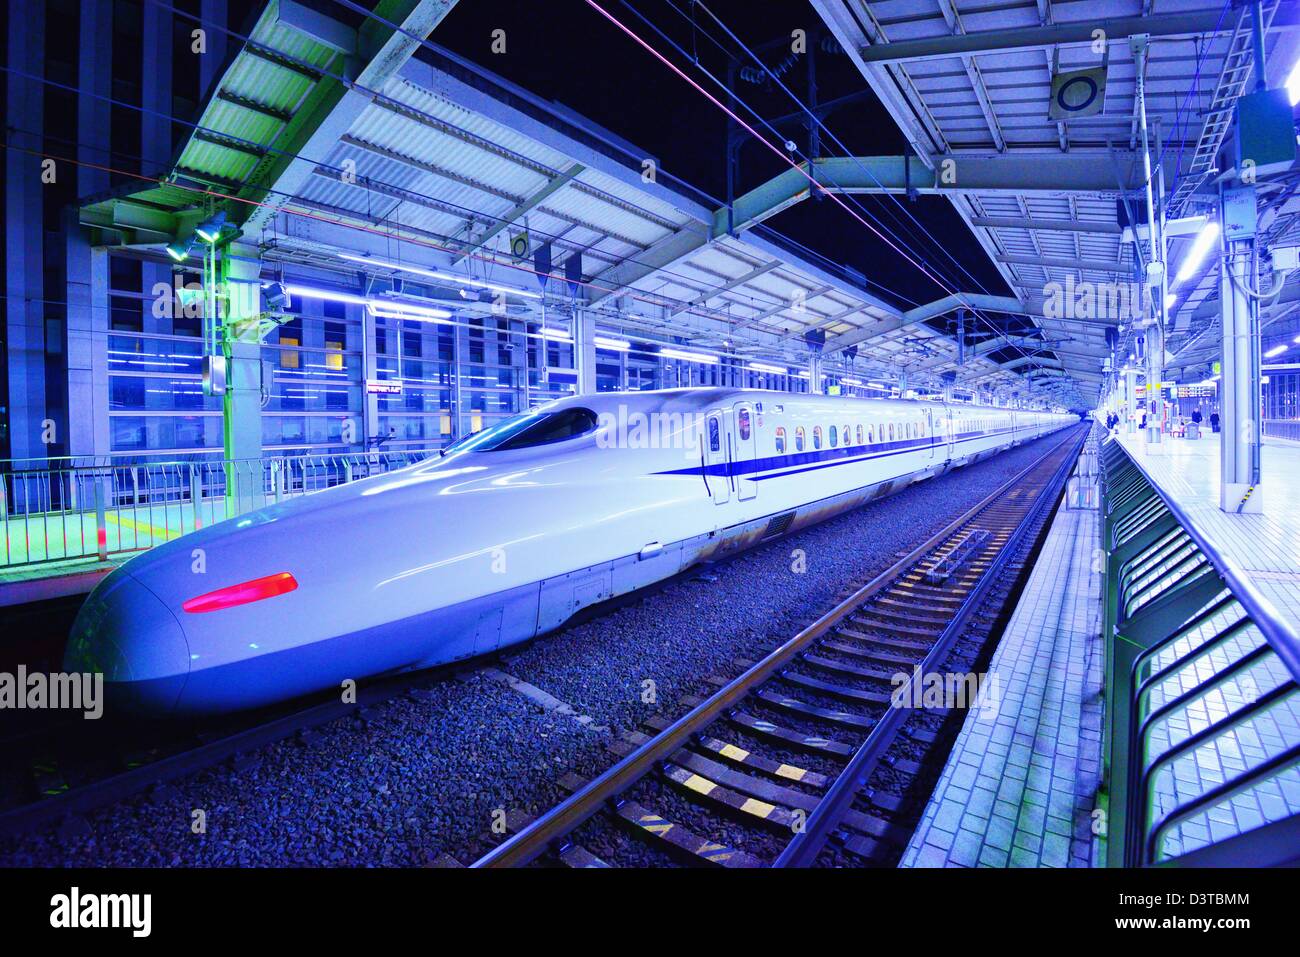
point(1203, 692)
point(77, 508)
point(1288, 429)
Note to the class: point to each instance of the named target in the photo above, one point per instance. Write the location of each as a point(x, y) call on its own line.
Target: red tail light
point(243, 593)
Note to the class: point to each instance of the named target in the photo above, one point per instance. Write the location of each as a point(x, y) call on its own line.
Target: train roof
point(702, 399)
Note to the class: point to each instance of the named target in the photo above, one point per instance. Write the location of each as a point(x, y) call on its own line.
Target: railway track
point(819, 753)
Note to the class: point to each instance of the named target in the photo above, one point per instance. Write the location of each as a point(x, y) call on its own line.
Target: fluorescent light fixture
point(210, 229)
point(559, 335)
point(767, 367)
point(330, 295)
point(685, 356)
point(606, 342)
point(393, 309)
point(849, 380)
point(1200, 249)
point(1296, 340)
point(1293, 84)
point(444, 276)
point(1276, 351)
point(179, 251)
point(1170, 299)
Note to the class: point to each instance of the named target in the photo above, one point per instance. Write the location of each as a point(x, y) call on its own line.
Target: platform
point(1264, 546)
point(1020, 785)
point(32, 583)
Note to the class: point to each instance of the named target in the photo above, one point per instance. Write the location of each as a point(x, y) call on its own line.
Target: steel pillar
point(1239, 390)
point(584, 351)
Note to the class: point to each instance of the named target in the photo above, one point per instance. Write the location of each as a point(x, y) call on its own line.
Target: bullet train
point(505, 536)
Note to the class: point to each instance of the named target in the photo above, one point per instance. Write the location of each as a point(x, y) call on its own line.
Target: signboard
point(384, 386)
point(520, 245)
point(1077, 93)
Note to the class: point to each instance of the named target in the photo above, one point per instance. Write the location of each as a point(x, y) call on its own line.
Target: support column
point(87, 356)
point(584, 351)
point(369, 370)
point(1240, 477)
point(815, 374)
point(86, 277)
point(1155, 397)
point(242, 403)
point(460, 418)
point(24, 234)
point(1131, 402)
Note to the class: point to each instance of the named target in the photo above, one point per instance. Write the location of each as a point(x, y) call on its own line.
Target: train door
point(932, 424)
point(745, 450)
point(716, 459)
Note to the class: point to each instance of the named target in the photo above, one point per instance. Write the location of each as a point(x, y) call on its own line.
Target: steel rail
point(808, 843)
point(585, 802)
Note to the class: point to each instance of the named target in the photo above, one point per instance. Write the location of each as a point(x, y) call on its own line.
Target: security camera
point(275, 296)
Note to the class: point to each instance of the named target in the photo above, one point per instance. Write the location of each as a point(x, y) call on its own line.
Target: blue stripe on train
point(845, 456)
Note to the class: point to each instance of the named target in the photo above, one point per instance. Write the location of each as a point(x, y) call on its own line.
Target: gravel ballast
point(429, 772)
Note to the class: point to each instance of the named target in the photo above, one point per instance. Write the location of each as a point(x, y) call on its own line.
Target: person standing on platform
point(1214, 421)
point(1196, 416)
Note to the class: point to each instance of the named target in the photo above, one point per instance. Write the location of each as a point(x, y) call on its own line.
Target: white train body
point(503, 538)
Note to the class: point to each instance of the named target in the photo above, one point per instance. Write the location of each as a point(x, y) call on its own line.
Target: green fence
point(1203, 705)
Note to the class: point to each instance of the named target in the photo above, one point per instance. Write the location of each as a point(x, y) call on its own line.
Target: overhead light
point(685, 356)
point(1170, 299)
point(558, 335)
point(849, 380)
point(210, 229)
point(1296, 340)
point(1200, 248)
point(393, 309)
point(329, 295)
point(383, 308)
point(767, 367)
point(605, 342)
point(180, 251)
point(1293, 84)
point(444, 276)
point(1276, 351)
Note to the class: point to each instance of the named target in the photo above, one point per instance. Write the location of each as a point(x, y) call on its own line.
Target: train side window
point(848, 436)
point(891, 431)
point(715, 437)
point(780, 439)
point(871, 435)
point(798, 439)
point(817, 436)
point(859, 435)
point(743, 420)
point(834, 437)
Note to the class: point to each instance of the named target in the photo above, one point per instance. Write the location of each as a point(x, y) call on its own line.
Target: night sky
point(564, 50)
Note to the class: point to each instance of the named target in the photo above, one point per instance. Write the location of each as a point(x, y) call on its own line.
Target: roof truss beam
point(1046, 35)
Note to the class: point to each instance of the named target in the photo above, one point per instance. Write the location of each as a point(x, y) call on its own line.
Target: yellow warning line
point(135, 526)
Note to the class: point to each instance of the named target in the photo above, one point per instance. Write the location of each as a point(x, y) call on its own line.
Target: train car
point(504, 537)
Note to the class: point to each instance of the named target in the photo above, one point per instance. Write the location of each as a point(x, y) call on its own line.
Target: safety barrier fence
point(1203, 692)
point(1288, 429)
point(60, 509)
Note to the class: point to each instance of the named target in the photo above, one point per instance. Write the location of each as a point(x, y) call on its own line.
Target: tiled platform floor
point(1020, 785)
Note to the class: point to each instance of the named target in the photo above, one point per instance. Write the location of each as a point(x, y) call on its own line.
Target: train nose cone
point(126, 632)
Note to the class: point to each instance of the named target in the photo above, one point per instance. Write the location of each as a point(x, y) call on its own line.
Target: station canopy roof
point(327, 137)
point(973, 80)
